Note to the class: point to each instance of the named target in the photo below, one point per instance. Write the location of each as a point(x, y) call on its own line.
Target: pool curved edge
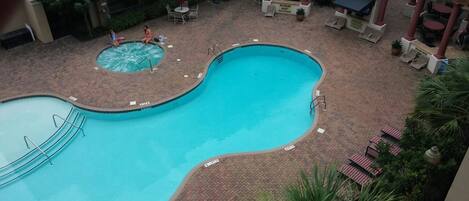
point(182, 93)
point(164, 100)
point(130, 73)
point(225, 156)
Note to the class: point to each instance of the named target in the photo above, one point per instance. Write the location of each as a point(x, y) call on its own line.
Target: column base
point(434, 64)
point(408, 10)
point(406, 44)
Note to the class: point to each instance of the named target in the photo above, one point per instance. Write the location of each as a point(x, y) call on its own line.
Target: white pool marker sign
point(186, 76)
point(96, 68)
point(321, 130)
point(234, 45)
point(255, 40)
point(178, 59)
point(170, 46)
point(133, 103)
point(318, 93)
point(210, 163)
point(144, 103)
point(73, 98)
point(307, 51)
point(289, 147)
point(199, 75)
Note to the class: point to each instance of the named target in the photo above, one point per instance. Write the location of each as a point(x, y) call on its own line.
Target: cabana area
point(438, 31)
point(363, 16)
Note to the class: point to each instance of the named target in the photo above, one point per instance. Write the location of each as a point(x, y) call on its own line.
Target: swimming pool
point(253, 98)
point(130, 57)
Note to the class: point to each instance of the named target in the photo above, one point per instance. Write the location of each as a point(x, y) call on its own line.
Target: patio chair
point(372, 149)
point(270, 11)
point(365, 163)
point(336, 22)
point(419, 62)
point(409, 56)
point(171, 14)
point(193, 12)
point(392, 132)
point(371, 35)
point(355, 174)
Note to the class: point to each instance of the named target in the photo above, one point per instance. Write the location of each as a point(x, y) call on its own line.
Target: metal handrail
point(316, 101)
point(66, 121)
point(214, 49)
point(26, 139)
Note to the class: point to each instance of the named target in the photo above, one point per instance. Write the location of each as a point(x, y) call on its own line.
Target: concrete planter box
point(285, 6)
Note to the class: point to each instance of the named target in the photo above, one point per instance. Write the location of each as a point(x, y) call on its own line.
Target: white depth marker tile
point(133, 103)
point(199, 75)
point(289, 147)
point(170, 46)
point(307, 51)
point(145, 103)
point(234, 45)
point(320, 130)
point(96, 68)
point(208, 164)
point(255, 40)
point(318, 93)
point(186, 76)
point(73, 98)
point(178, 59)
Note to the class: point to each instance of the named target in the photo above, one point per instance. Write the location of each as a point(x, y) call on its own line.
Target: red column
point(413, 22)
point(382, 12)
point(449, 27)
point(412, 2)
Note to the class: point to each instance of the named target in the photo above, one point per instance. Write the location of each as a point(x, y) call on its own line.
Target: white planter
point(286, 7)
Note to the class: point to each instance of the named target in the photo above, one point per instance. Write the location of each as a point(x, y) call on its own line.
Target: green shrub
point(441, 118)
point(127, 20)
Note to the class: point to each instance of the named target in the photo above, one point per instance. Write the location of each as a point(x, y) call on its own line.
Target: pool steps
point(52, 146)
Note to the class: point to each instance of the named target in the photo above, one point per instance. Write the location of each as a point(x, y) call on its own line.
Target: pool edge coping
point(188, 90)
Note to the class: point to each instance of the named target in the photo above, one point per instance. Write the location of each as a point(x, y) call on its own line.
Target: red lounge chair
point(365, 163)
point(355, 174)
point(375, 140)
point(393, 132)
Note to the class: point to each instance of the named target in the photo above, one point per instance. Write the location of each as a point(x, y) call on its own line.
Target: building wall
point(17, 19)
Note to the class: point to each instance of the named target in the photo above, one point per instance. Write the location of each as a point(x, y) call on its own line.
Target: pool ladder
point(318, 100)
point(27, 139)
point(40, 154)
point(66, 121)
point(213, 50)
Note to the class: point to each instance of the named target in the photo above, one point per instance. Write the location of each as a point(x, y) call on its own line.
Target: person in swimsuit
point(148, 35)
point(115, 39)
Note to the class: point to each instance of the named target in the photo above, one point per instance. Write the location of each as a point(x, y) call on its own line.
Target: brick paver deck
point(363, 83)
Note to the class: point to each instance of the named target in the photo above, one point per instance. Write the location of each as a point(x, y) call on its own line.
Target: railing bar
point(26, 139)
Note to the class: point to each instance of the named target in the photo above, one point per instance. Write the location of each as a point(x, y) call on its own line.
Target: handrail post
point(26, 139)
point(66, 121)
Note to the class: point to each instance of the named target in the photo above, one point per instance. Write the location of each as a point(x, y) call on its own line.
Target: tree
point(441, 118)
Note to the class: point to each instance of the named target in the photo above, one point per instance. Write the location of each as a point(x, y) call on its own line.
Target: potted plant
point(396, 48)
point(300, 14)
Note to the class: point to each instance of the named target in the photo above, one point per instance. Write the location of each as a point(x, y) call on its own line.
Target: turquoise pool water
point(130, 57)
point(254, 98)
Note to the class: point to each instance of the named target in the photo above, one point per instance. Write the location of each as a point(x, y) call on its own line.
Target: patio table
point(433, 25)
point(181, 9)
point(441, 8)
